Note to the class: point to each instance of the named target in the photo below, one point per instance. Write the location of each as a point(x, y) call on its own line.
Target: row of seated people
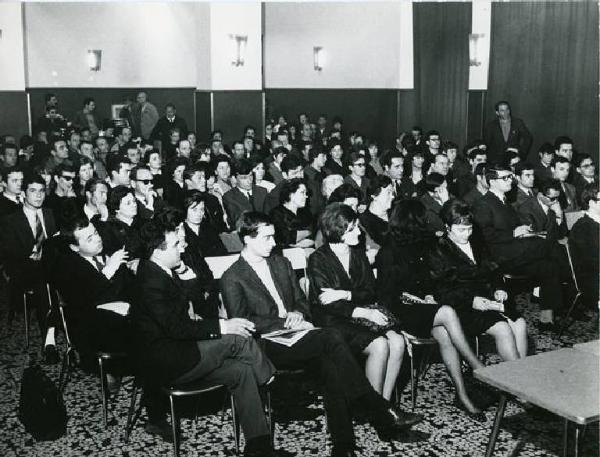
point(382, 347)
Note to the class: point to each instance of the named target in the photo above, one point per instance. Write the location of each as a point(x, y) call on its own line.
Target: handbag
point(392, 320)
point(41, 407)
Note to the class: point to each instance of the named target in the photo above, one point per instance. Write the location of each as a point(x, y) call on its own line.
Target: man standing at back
point(145, 116)
point(506, 132)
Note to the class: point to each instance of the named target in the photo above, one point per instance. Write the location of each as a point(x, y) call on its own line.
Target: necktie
point(99, 265)
point(40, 236)
point(562, 198)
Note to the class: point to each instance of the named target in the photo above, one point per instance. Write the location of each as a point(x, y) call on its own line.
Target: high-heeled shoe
point(478, 416)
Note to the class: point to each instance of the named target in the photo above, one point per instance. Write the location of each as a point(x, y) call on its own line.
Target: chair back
point(219, 264)
point(297, 257)
point(572, 217)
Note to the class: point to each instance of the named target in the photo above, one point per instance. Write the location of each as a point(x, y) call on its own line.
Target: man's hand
point(480, 303)
point(293, 319)
point(522, 230)
point(329, 295)
point(236, 326)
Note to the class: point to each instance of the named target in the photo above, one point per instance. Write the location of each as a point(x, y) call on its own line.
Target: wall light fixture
point(319, 58)
point(94, 59)
point(238, 55)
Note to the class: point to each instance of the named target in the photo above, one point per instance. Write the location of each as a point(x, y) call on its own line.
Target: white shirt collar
point(593, 216)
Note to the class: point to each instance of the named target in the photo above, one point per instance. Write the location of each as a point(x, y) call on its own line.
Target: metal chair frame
point(578, 292)
point(421, 370)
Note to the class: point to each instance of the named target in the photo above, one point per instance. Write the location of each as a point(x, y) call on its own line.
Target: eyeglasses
point(552, 199)
point(505, 178)
point(360, 164)
point(587, 165)
point(145, 181)
point(67, 178)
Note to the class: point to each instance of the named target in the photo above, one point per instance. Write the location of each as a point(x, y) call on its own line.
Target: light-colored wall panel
point(12, 67)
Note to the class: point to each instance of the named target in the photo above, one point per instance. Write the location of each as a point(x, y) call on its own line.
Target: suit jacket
point(144, 119)
point(518, 137)
point(314, 181)
point(579, 182)
point(166, 334)
point(432, 214)
point(496, 222)
point(272, 200)
point(207, 243)
point(161, 129)
point(17, 242)
point(584, 245)
point(236, 202)
point(7, 206)
point(542, 174)
point(146, 214)
point(568, 198)
point(517, 197)
point(325, 270)
point(245, 295)
point(532, 213)
point(363, 188)
point(174, 194)
point(275, 173)
point(115, 234)
point(333, 168)
point(457, 278)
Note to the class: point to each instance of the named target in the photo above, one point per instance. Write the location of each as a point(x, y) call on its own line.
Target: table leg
point(496, 428)
point(577, 429)
point(566, 439)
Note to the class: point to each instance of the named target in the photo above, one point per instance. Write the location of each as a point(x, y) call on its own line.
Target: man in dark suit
point(313, 175)
point(393, 167)
point(468, 181)
point(436, 194)
point(148, 202)
point(264, 289)
point(245, 196)
point(524, 190)
point(291, 168)
point(542, 163)
point(586, 174)
point(561, 168)
point(21, 238)
point(168, 122)
point(514, 246)
point(177, 346)
point(543, 212)
point(506, 132)
point(10, 199)
point(584, 245)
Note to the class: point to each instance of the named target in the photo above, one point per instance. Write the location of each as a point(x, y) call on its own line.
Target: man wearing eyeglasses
point(64, 176)
point(148, 202)
point(586, 173)
point(357, 178)
point(515, 246)
point(543, 212)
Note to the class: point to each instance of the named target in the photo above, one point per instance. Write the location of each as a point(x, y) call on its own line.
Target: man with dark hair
point(584, 245)
point(96, 194)
point(357, 164)
point(435, 195)
point(178, 346)
point(544, 160)
point(58, 154)
point(417, 133)
point(264, 289)
point(431, 147)
point(245, 196)
point(86, 117)
point(168, 122)
point(563, 147)
point(291, 167)
point(314, 179)
point(148, 202)
point(118, 169)
point(561, 168)
point(392, 162)
point(10, 155)
point(543, 212)
point(505, 132)
point(123, 137)
point(22, 237)
point(335, 162)
point(64, 177)
point(480, 189)
point(525, 175)
point(11, 199)
point(51, 121)
point(586, 173)
point(274, 169)
point(515, 246)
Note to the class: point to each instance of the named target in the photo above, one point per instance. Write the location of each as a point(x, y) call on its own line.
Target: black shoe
point(402, 419)
point(161, 429)
point(546, 327)
point(50, 355)
point(476, 416)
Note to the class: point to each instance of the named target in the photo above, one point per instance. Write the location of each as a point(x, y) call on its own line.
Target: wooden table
point(564, 382)
point(591, 347)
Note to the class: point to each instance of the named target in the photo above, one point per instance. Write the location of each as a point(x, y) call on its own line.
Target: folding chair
point(298, 259)
point(578, 292)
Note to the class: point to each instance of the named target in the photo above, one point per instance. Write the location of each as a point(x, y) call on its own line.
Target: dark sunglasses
point(552, 199)
point(67, 178)
point(145, 181)
point(361, 164)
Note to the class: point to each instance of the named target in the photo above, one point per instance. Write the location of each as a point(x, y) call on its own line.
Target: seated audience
point(480, 188)
point(514, 246)
point(342, 291)
point(524, 190)
point(402, 268)
point(294, 226)
point(583, 243)
point(291, 168)
point(223, 183)
point(154, 164)
point(264, 289)
point(543, 169)
point(177, 346)
point(174, 190)
point(198, 178)
point(467, 181)
point(586, 174)
point(64, 175)
point(357, 178)
point(96, 195)
point(543, 212)
point(259, 172)
point(436, 194)
point(147, 200)
point(411, 185)
point(393, 167)
point(118, 169)
point(84, 169)
point(468, 280)
point(335, 164)
point(313, 174)
point(374, 221)
point(560, 168)
point(246, 196)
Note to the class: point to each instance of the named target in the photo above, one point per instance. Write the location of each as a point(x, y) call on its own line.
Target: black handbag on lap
point(41, 407)
point(392, 321)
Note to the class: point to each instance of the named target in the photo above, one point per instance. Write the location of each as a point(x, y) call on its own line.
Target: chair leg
point(269, 414)
point(236, 426)
point(174, 426)
point(130, 414)
point(104, 391)
point(413, 384)
point(566, 324)
point(64, 371)
point(26, 317)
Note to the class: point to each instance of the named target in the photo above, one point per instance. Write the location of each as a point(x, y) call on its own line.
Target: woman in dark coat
point(174, 191)
point(342, 290)
point(470, 282)
point(375, 219)
point(402, 268)
point(293, 221)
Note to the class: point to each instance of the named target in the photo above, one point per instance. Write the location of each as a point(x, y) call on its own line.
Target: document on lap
point(287, 337)
point(119, 307)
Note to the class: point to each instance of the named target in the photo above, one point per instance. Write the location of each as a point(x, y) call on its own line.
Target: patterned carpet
point(298, 413)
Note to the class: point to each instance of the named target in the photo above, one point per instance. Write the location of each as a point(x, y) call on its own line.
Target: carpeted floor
point(298, 413)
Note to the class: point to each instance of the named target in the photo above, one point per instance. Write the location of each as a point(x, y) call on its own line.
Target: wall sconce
point(319, 58)
point(94, 58)
point(475, 49)
point(238, 54)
